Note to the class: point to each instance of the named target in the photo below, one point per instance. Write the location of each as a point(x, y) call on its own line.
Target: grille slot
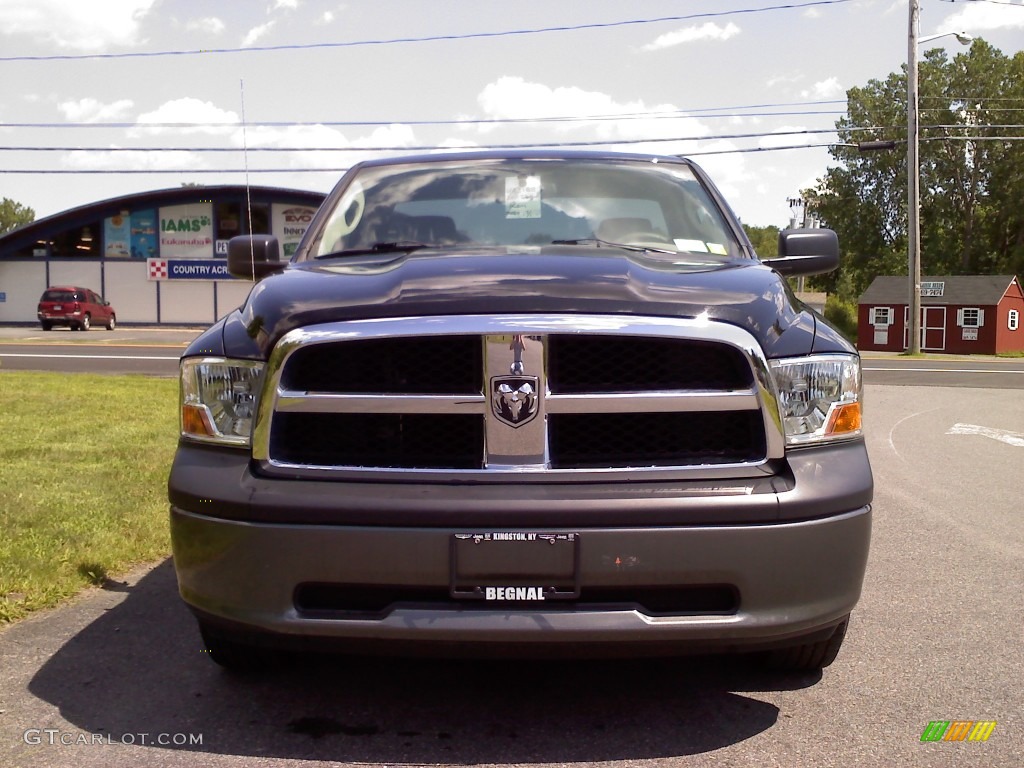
point(603, 364)
point(581, 441)
point(431, 441)
point(428, 365)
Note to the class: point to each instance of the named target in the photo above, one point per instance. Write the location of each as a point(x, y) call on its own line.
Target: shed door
point(933, 328)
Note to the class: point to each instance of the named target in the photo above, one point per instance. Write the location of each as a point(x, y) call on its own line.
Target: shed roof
point(980, 290)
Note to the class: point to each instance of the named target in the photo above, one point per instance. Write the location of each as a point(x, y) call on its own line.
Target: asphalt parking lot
point(936, 637)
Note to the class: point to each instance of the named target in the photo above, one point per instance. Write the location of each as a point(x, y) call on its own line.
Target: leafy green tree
point(764, 239)
point(972, 176)
point(13, 215)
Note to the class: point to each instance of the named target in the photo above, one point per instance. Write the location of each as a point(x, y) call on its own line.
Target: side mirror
point(251, 257)
point(806, 252)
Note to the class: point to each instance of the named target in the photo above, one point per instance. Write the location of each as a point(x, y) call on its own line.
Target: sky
point(102, 98)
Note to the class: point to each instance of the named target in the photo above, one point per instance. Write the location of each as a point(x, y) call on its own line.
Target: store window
point(1013, 320)
point(81, 241)
point(232, 218)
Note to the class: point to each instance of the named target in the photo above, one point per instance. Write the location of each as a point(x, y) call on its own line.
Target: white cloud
point(256, 33)
point(775, 80)
point(89, 110)
point(141, 160)
point(85, 25)
point(657, 128)
point(981, 17)
point(786, 136)
point(289, 5)
point(708, 31)
point(187, 110)
point(320, 140)
point(824, 89)
point(208, 24)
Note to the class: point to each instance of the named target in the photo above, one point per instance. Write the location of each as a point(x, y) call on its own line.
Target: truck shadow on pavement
point(140, 669)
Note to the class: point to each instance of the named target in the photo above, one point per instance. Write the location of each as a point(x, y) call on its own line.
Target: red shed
point(960, 314)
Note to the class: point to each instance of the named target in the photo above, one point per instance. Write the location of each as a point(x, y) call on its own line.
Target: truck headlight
point(218, 399)
point(819, 397)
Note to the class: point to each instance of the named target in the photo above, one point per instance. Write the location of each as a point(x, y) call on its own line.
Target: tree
point(14, 215)
point(764, 239)
point(972, 172)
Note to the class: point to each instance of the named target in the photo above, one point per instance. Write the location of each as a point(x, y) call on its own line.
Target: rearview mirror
point(806, 252)
point(251, 257)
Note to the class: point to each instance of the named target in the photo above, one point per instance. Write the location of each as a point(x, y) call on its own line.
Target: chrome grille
point(494, 395)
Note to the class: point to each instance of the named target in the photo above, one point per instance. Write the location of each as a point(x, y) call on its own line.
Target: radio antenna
point(248, 194)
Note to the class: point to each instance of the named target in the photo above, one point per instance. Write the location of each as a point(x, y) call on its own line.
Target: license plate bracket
point(515, 566)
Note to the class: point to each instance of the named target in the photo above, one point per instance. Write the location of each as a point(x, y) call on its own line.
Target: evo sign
point(188, 269)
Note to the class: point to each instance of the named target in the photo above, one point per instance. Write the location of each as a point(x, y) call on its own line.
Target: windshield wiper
point(397, 246)
point(625, 246)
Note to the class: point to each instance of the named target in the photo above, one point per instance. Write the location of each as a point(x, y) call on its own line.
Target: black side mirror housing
point(806, 252)
point(251, 257)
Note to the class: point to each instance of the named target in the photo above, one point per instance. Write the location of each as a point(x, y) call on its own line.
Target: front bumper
point(794, 552)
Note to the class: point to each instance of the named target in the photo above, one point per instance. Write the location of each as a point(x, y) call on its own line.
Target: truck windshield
point(515, 203)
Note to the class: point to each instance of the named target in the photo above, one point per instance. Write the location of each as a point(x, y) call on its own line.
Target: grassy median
point(83, 481)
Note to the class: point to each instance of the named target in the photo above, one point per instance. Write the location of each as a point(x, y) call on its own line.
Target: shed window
point(1013, 320)
point(880, 316)
point(970, 317)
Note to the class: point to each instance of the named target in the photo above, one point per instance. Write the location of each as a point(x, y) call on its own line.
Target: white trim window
point(970, 317)
point(1013, 320)
point(880, 316)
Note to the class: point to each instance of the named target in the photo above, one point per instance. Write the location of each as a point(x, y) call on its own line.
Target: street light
point(914, 176)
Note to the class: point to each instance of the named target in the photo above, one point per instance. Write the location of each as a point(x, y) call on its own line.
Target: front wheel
point(111, 323)
point(809, 657)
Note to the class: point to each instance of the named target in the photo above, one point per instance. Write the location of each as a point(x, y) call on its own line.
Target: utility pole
point(913, 188)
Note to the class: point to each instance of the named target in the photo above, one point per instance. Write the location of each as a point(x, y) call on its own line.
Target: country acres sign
point(188, 269)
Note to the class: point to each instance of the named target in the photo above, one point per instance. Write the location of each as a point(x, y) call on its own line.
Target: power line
point(434, 147)
point(164, 171)
point(701, 112)
point(424, 39)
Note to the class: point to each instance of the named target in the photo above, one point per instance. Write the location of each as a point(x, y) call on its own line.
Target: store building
point(960, 314)
point(159, 257)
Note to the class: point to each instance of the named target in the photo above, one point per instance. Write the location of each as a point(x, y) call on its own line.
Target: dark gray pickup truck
point(531, 403)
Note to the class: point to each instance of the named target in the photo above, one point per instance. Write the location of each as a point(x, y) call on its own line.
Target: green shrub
point(842, 313)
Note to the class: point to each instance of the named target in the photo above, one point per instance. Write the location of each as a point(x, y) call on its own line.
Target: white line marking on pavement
point(90, 357)
point(1010, 438)
point(943, 370)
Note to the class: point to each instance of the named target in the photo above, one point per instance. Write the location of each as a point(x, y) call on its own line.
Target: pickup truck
point(523, 403)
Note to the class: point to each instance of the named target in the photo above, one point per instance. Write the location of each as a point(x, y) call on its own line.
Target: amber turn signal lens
point(845, 419)
point(195, 420)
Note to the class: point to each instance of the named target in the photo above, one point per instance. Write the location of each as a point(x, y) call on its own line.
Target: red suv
point(78, 308)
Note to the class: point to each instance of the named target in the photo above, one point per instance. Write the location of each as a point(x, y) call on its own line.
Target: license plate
point(515, 566)
point(57, 307)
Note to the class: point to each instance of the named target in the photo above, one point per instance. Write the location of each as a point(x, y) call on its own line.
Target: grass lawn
point(83, 481)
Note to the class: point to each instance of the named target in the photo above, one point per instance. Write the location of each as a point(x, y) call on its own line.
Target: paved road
point(155, 352)
point(987, 372)
point(148, 351)
point(937, 636)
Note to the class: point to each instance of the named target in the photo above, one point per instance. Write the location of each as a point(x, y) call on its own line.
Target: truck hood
point(552, 280)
